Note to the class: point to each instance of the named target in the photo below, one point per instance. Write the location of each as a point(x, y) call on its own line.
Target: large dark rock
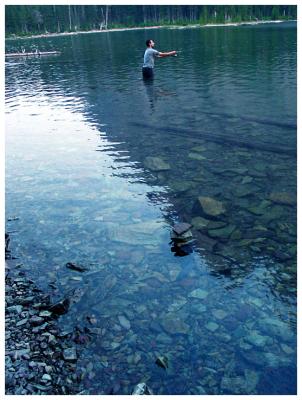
point(61, 307)
point(75, 267)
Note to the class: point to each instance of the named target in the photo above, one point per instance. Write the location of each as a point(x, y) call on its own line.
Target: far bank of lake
point(122, 29)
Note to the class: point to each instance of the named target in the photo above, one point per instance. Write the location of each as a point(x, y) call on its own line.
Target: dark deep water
point(82, 132)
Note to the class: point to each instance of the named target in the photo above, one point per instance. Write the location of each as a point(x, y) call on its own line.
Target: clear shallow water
point(80, 129)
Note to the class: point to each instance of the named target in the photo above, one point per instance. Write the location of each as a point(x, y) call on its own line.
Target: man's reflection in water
point(155, 92)
point(150, 90)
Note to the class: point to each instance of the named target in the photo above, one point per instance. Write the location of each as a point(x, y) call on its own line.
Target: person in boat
point(149, 57)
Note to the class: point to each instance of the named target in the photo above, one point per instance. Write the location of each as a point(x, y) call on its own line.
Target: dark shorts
point(147, 72)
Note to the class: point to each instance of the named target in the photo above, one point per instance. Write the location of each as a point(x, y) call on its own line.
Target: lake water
point(100, 165)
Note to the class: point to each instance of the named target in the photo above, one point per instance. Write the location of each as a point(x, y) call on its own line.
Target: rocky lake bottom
point(233, 284)
point(39, 357)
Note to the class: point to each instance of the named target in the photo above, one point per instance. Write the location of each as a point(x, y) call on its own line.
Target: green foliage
point(275, 12)
point(33, 19)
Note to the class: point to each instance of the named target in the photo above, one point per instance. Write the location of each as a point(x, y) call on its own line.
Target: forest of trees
point(36, 19)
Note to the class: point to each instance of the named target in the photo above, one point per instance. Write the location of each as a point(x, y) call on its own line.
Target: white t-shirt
point(149, 57)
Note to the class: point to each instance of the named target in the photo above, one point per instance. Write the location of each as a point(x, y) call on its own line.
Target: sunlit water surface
point(80, 130)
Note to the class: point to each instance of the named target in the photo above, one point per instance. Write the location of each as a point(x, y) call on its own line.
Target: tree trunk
point(103, 20)
point(69, 14)
point(106, 20)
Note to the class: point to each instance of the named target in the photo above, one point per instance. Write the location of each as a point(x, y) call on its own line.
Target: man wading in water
point(149, 57)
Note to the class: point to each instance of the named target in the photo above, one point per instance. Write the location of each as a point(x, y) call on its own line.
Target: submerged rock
point(241, 384)
point(162, 362)
point(196, 156)
point(174, 325)
point(124, 322)
point(141, 233)
point(174, 271)
point(70, 354)
point(164, 338)
point(142, 389)
point(177, 304)
point(200, 223)
point(205, 242)
point(285, 198)
point(156, 164)
point(245, 191)
point(252, 379)
point(181, 186)
point(61, 307)
point(253, 357)
point(222, 233)
point(287, 349)
point(259, 209)
point(198, 148)
point(75, 267)
point(282, 255)
point(199, 294)
point(256, 339)
point(219, 314)
point(247, 179)
point(209, 207)
point(236, 171)
point(181, 228)
point(212, 326)
point(217, 224)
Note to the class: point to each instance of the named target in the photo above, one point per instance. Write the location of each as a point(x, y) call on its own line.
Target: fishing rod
point(177, 52)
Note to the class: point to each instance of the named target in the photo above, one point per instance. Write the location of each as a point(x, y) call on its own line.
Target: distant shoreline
point(46, 35)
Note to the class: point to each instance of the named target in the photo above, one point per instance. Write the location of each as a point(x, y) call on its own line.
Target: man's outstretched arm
point(169, 53)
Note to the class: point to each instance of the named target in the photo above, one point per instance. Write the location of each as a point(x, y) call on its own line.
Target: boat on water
point(36, 53)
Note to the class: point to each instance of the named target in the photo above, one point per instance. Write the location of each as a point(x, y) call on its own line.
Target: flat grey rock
point(181, 228)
